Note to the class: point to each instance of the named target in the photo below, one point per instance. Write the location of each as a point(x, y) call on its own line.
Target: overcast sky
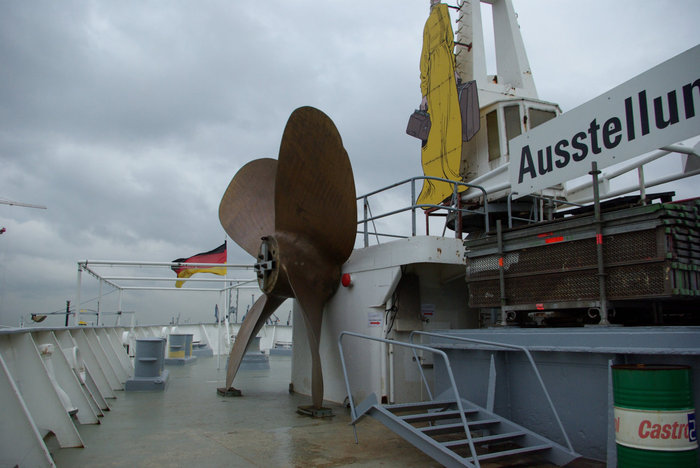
point(127, 119)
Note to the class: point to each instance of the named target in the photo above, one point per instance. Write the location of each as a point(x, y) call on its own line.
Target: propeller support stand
point(314, 412)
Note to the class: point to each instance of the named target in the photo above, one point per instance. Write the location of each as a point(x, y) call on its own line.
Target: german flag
point(218, 255)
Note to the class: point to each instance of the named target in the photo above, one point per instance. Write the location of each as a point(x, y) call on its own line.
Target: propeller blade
point(309, 226)
point(247, 210)
point(253, 322)
point(315, 188)
point(311, 283)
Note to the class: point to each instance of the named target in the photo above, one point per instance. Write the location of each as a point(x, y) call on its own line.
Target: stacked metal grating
point(650, 251)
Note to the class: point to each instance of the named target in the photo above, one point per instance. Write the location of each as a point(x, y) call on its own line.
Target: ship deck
point(190, 425)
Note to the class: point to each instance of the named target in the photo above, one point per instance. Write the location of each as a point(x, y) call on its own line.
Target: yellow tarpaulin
point(442, 153)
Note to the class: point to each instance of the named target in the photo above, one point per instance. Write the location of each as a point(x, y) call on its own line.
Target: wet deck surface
point(190, 425)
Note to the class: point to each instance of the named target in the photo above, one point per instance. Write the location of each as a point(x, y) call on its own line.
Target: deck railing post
point(599, 245)
point(77, 295)
point(413, 207)
point(365, 206)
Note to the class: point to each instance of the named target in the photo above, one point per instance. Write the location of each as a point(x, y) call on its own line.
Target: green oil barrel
point(654, 416)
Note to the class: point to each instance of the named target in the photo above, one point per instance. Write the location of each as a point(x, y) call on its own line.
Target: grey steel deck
point(190, 425)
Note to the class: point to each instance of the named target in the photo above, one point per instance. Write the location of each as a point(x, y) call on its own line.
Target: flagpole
point(218, 332)
point(77, 300)
point(99, 301)
point(119, 308)
point(219, 320)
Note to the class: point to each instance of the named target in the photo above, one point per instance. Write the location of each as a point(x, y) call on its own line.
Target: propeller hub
point(272, 279)
point(267, 265)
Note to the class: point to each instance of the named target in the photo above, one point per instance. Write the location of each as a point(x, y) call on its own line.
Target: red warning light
point(346, 280)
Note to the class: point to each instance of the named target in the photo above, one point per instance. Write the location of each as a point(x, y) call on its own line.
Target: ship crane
point(510, 107)
point(4, 201)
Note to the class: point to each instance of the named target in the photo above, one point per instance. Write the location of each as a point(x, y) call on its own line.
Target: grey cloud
point(128, 119)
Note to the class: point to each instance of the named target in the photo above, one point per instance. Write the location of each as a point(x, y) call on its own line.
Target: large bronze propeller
point(297, 215)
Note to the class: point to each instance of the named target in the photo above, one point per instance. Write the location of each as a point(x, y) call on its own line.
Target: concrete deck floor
point(189, 425)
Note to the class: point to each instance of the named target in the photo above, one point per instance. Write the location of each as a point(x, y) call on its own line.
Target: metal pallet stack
point(649, 252)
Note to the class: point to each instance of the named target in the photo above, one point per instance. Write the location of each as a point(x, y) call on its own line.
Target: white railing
point(53, 379)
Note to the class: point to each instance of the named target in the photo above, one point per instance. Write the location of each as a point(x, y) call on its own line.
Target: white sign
point(657, 108)
point(656, 430)
point(374, 319)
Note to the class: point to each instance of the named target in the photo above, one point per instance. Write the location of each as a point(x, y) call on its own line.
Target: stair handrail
point(413, 346)
point(499, 345)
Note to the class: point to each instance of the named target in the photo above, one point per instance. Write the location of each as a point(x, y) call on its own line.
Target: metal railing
point(497, 345)
point(537, 214)
point(612, 173)
point(454, 206)
point(453, 383)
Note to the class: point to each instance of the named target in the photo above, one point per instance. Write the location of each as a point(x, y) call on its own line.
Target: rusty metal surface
point(558, 262)
point(263, 308)
point(314, 279)
point(315, 188)
point(247, 209)
point(303, 207)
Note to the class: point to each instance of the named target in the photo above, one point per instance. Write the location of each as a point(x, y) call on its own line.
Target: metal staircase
point(435, 428)
point(454, 431)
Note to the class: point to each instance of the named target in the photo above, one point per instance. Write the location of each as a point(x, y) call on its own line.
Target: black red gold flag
point(218, 255)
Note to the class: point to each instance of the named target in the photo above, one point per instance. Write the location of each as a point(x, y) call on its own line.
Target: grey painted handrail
point(413, 346)
point(507, 346)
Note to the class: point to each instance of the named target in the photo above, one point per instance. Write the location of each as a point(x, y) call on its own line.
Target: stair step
point(456, 427)
point(423, 405)
point(483, 439)
point(518, 451)
point(508, 443)
point(435, 415)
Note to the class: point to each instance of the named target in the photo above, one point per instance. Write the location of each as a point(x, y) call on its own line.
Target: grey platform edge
point(180, 361)
point(148, 384)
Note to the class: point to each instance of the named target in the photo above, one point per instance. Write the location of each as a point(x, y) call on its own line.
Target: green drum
point(654, 416)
